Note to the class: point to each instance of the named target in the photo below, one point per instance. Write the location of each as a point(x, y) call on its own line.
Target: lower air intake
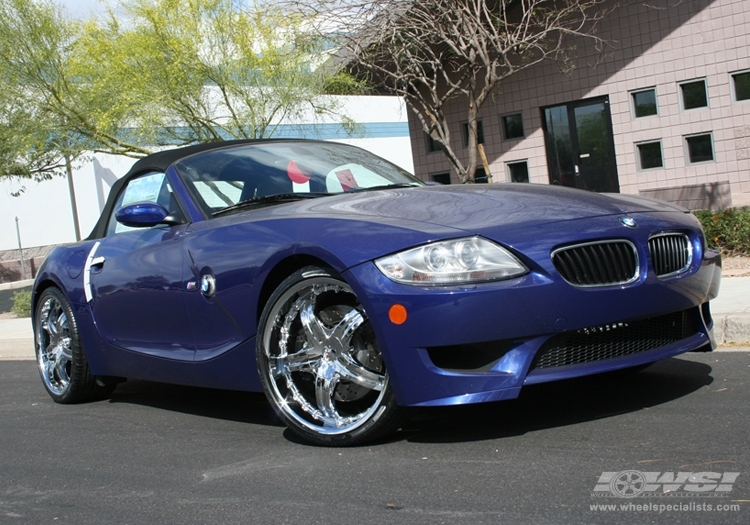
point(615, 340)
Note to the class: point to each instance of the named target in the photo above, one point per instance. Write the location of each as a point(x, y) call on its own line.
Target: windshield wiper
point(259, 202)
point(384, 187)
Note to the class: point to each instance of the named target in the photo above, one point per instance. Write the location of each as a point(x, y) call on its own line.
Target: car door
point(221, 264)
point(134, 279)
point(220, 309)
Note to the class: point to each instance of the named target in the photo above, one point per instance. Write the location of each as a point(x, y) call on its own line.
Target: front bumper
point(478, 343)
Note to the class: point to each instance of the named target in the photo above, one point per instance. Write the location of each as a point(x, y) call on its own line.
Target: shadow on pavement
point(560, 403)
point(244, 407)
point(539, 406)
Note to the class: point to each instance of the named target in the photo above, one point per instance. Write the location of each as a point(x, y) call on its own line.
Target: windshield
point(222, 179)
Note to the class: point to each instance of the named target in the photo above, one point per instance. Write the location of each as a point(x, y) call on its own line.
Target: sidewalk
point(731, 313)
point(16, 338)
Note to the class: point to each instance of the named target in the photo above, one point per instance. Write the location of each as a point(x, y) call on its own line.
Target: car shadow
point(539, 406)
point(559, 404)
point(243, 407)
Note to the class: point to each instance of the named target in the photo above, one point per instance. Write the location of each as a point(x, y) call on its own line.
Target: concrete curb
point(16, 284)
point(15, 349)
point(732, 328)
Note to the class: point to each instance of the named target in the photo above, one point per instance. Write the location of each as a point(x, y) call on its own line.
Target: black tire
point(320, 363)
point(59, 353)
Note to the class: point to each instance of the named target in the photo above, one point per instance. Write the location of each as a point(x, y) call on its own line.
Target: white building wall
point(44, 209)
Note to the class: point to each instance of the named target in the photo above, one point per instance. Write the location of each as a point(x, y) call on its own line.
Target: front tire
point(59, 353)
point(320, 363)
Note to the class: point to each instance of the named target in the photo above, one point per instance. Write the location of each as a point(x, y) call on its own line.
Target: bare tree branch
point(433, 52)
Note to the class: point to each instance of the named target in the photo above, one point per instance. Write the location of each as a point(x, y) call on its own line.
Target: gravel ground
point(735, 266)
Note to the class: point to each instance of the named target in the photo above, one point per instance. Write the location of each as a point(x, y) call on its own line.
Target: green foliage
point(344, 83)
point(174, 72)
point(22, 303)
point(727, 231)
point(207, 70)
point(33, 41)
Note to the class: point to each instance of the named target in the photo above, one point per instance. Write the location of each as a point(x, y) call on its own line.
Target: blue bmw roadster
point(349, 291)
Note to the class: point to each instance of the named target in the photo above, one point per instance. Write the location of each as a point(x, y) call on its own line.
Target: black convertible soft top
point(160, 161)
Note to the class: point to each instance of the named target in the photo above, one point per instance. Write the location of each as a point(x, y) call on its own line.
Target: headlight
point(469, 260)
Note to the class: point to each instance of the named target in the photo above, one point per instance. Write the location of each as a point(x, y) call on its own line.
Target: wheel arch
point(281, 271)
point(38, 290)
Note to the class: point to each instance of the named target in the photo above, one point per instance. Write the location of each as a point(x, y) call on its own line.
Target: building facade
point(664, 111)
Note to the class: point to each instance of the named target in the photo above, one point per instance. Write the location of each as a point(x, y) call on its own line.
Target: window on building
point(512, 126)
point(649, 155)
point(432, 144)
point(741, 86)
point(699, 148)
point(518, 171)
point(442, 178)
point(694, 94)
point(465, 133)
point(644, 103)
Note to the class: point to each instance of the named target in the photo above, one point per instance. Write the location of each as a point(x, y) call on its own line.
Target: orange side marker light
point(397, 314)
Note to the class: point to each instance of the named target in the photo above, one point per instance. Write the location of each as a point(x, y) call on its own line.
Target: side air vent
point(603, 263)
point(671, 253)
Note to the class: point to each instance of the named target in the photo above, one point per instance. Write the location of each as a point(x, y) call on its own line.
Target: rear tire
point(320, 363)
point(59, 354)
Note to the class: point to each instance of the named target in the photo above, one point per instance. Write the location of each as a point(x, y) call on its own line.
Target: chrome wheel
point(59, 354)
point(54, 355)
point(320, 362)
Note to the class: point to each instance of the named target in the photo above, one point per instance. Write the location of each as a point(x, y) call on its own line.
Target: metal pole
point(72, 192)
point(20, 250)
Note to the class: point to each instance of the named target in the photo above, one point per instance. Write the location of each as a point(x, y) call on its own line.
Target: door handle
point(98, 261)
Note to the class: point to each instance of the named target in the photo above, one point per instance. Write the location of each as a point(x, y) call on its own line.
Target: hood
point(357, 227)
point(470, 207)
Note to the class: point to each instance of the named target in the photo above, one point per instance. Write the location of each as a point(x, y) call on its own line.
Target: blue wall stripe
point(369, 130)
point(366, 130)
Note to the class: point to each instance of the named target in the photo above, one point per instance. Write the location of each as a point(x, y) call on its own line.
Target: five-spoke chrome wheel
point(320, 362)
point(54, 355)
point(59, 354)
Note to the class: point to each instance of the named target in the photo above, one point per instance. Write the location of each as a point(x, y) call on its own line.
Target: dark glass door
point(580, 148)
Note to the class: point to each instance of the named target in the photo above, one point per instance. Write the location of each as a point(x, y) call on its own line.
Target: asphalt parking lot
point(169, 454)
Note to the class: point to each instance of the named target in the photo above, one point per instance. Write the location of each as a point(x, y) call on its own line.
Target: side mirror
point(144, 215)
